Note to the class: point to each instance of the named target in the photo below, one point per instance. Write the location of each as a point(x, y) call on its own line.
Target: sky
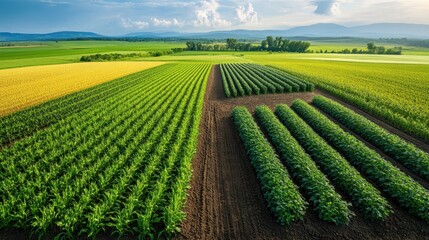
point(115, 17)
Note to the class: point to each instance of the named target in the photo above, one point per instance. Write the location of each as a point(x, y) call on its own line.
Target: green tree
point(264, 44)
point(371, 47)
point(270, 42)
point(231, 43)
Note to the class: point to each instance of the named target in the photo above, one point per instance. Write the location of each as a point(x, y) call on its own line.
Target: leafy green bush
point(282, 196)
point(319, 190)
point(397, 184)
point(364, 196)
point(405, 153)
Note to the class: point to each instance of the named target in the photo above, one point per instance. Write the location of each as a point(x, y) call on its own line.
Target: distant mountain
point(378, 30)
point(6, 36)
point(396, 30)
point(240, 33)
point(321, 30)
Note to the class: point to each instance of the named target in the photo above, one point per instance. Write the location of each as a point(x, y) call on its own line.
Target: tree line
point(371, 49)
point(117, 56)
point(277, 44)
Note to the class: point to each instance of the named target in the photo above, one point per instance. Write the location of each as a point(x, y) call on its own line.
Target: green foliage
point(108, 57)
point(402, 151)
point(319, 190)
point(395, 93)
point(250, 79)
point(270, 44)
point(122, 163)
point(282, 196)
point(398, 185)
point(364, 196)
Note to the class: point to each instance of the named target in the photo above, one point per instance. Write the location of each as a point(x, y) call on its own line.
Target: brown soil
point(225, 200)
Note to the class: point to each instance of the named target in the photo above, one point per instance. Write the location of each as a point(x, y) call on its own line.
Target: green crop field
point(302, 129)
point(43, 53)
point(396, 93)
point(123, 161)
point(216, 144)
point(253, 79)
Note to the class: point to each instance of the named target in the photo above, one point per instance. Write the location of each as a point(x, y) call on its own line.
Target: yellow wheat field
point(28, 86)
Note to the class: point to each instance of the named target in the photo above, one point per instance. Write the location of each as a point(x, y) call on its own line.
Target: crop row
point(402, 151)
point(282, 196)
point(317, 187)
point(122, 163)
point(397, 95)
point(393, 181)
point(335, 159)
point(25, 122)
point(364, 196)
point(252, 79)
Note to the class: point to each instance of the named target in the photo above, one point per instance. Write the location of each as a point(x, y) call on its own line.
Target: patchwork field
point(255, 146)
point(25, 87)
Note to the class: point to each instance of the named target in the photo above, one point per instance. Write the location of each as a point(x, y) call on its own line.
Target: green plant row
point(401, 103)
point(282, 196)
point(400, 150)
point(241, 84)
point(230, 83)
point(289, 85)
point(308, 86)
point(225, 83)
point(364, 196)
point(261, 83)
point(121, 164)
point(317, 187)
point(250, 79)
point(275, 86)
point(27, 121)
point(397, 184)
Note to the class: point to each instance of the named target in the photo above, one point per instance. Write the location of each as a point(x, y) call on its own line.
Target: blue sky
point(115, 17)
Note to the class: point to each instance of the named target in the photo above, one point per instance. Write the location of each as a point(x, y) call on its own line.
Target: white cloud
point(327, 7)
point(166, 22)
point(207, 15)
point(247, 16)
point(128, 23)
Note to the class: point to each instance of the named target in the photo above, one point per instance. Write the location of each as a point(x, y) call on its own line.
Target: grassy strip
point(321, 193)
point(404, 189)
point(283, 198)
point(405, 153)
point(367, 198)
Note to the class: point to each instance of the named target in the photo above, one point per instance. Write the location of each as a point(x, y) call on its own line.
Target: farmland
point(318, 189)
point(118, 172)
point(25, 87)
point(395, 93)
point(253, 79)
point(212, 145)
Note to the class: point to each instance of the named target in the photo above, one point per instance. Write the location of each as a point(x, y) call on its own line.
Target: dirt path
point(225, 200)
